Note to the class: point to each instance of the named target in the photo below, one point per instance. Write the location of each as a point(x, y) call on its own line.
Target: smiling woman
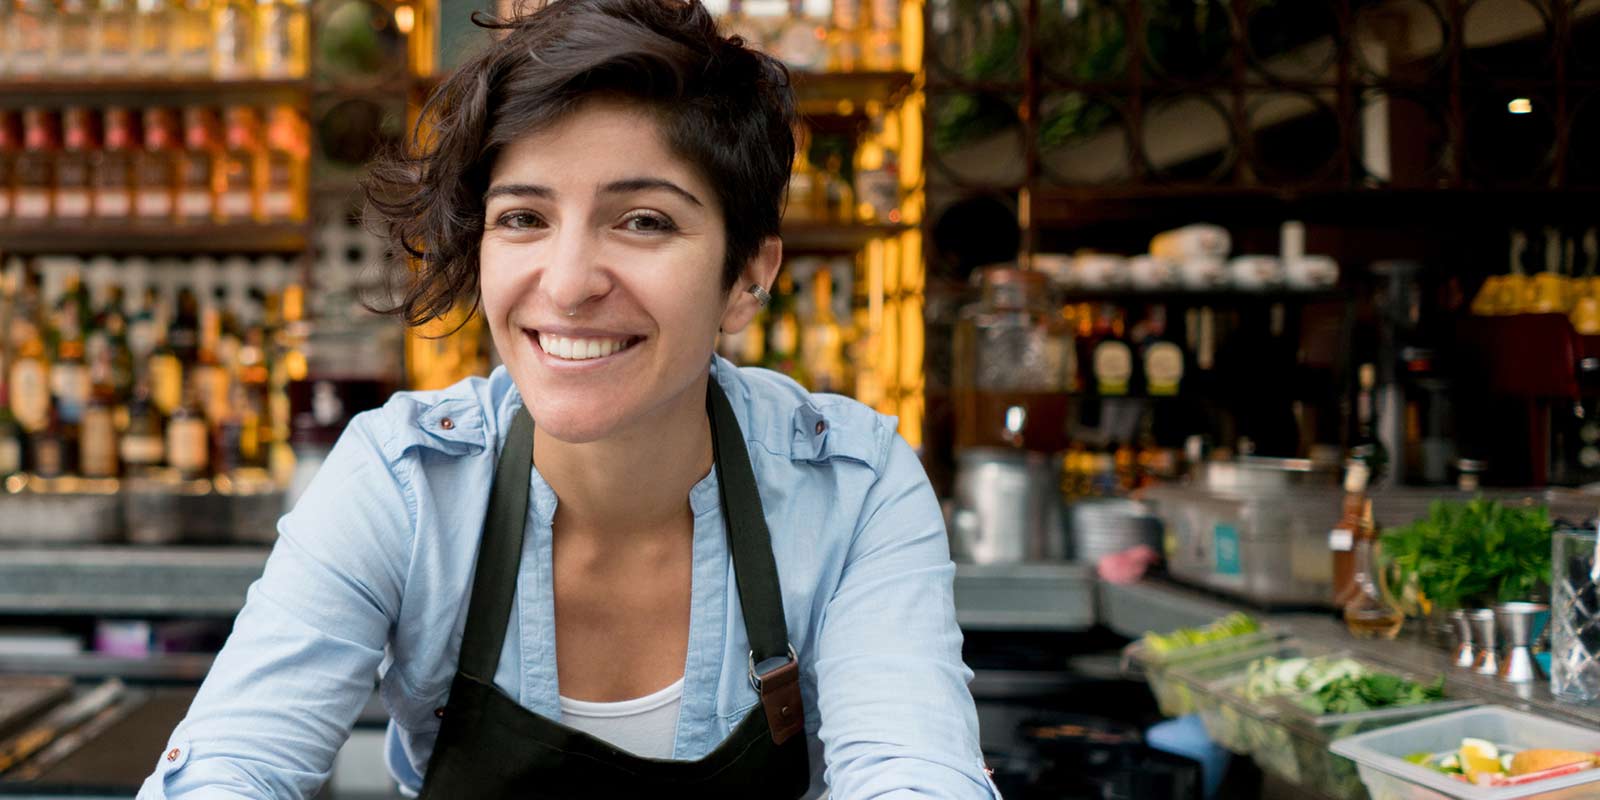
point(618, 566)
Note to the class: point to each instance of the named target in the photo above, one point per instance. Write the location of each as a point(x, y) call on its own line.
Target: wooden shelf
point(143, 91)
point(86, 238)
point(1183, 297)
point(827, 237)
point(823, 92)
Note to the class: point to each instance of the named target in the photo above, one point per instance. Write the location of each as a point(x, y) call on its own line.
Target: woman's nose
point(574, 274)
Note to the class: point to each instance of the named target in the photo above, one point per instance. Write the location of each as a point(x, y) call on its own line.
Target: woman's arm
point(897, 719)
point(286, 688)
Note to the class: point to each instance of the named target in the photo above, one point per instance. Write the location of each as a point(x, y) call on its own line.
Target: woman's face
point(596, 215)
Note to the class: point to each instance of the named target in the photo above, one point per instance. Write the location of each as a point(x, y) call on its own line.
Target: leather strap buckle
point(779, 689)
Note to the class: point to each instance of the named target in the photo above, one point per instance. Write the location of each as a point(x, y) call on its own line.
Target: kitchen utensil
point(1008, 507)
point(1519, 628)
point(1465, 653)
point(1487, 661)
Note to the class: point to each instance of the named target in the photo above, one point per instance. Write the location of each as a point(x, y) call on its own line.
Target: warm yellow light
point(1521, 105)
point(405, 17)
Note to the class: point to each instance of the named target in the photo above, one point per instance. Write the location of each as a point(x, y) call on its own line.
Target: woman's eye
point(518, 220)
point(646, 222)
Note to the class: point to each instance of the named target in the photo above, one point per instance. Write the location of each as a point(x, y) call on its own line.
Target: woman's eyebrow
point(630, 185)
point(519, 190)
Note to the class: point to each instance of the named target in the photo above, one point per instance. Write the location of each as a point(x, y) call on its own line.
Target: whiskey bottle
point(155, 168)
point(112, 38)
point(188, 439)
point(32, 38)
point(233, 32)
point(197, 188)
point(192, 47)
point(282, 27)
point(822, 343)
point(36, 167)
point(237, 168)
point(152, 38)
point(76, 55)
point(74, 184)
point(111, 167)
point(285, 173)
point(142, 447)
point(10, 150)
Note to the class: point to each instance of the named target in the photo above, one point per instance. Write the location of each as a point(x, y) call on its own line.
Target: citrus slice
point(1479, 757)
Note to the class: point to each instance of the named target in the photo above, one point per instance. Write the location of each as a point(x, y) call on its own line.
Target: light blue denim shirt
point(372, 569)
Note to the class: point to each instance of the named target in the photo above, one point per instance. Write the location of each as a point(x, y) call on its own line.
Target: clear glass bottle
point(36, 167)
point(112, 38)
point(281, 47)
point(33, 38)
point(197, 203)
point(1014, 366)
point(822, 339)
point(286, 171)
point(233, 32)
point(152, 38)
point(76, 56)
point(155, 167)
point(1368, 613)
point(192, 46)
point(111, 167)
point(74, 181)
point(238, 194)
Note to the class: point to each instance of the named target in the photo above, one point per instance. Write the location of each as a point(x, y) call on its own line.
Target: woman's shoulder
point(782, 417)
point(460, 419)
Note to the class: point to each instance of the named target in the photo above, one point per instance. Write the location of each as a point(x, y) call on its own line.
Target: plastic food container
point(1214, 684)
point(1296, 741)
point(1178, 700)
point(1380, 755)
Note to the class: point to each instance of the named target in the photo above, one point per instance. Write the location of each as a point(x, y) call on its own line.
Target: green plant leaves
point(1472, 554)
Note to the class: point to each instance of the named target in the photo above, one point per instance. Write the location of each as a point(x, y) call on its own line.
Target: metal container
point(1007, 507)
point(1251, 474)
point(1100, 528)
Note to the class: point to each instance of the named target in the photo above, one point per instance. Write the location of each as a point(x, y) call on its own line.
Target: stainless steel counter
point(190, 581)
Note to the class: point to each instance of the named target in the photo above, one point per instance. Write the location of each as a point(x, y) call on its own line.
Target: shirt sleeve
point(301, 661)
point(897, 720)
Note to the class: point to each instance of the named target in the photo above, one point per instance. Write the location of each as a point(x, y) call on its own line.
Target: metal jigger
point(1464, 650)
point(1487, 660)
point(1517, 625)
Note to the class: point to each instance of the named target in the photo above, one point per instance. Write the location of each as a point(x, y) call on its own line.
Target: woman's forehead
point(600, 142)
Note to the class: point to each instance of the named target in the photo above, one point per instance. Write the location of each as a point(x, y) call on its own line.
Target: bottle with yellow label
point(188, 438)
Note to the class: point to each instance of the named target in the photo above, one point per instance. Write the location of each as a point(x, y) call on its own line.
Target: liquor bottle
point(97, 434)
point(822, 341)
point(152, 38)
point(1368, 613)
point(800, 202)
point(197, 187)
point(881, 44)
point(28, 374)
point(233, 31)
point(237, 167)
point(838, 199)
point(188, 438)
point(74, 178)
point(111, 167)
point(155, 167)
point(36, 167)
point(877, 171)
point(286, 170)
point(1160, 358)
point(11, 438)
point(165, 369)
point(844, 36)
point(183, 336)
point(783, 338)
point(281, 49)
point(110, 358)
point(33, 38)
point(192, 48)
point(10, 150)
point(69, 370)
point(1342, 539)
point(207, 374)
point(802, 38)
point(76, 57)
point(1112, 356)
point(1367, 445)
point(112, 38)
point(48, 448)
point(142, 447)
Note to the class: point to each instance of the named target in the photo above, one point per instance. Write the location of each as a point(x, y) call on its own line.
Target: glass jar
point(1014, 366)
point(1574, 618)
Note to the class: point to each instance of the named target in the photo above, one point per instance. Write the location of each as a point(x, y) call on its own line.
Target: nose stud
point(572, 312)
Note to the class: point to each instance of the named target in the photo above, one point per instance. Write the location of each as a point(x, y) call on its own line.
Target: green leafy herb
point(1352, 693)
point(1470, 554)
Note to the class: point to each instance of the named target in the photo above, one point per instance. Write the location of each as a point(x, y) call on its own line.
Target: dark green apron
point(489, 746)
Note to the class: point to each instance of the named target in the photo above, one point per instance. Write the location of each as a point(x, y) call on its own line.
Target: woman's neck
point(633, 482)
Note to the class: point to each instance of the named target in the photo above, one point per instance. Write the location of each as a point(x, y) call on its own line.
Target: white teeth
point(579, 349)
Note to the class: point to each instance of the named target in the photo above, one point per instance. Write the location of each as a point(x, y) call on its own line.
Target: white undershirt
point(644, 726)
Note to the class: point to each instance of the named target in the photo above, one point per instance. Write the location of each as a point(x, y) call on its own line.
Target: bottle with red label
point(196, 203)
point(35, 167)
point(156, 167)
point(74, 187)
point(237, 167)
point(111, 168)
point(10, 149)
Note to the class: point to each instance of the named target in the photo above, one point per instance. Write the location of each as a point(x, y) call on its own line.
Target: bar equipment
point(1465, 652)
point(1487, 661)
point(1519, 628)
point(1575, 618)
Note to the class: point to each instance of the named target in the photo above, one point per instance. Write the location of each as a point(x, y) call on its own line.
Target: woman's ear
point(761, 270)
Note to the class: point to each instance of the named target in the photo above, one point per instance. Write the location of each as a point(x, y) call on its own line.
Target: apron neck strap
point(500, 551)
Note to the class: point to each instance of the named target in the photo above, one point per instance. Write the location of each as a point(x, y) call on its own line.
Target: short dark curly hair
point(722, 106)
